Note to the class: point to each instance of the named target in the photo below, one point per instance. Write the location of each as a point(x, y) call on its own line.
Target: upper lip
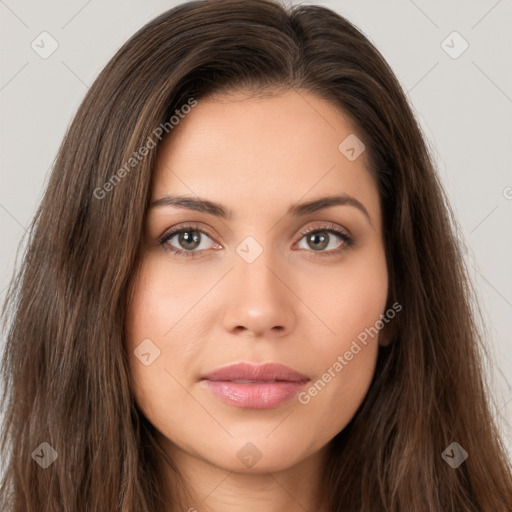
point(264, 373)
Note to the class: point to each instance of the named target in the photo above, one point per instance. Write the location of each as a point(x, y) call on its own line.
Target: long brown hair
point(65, 371)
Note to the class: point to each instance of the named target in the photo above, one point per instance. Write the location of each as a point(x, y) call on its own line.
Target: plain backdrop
point(461, 96)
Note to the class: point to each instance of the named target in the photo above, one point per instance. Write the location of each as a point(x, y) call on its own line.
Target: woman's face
point(252, 288)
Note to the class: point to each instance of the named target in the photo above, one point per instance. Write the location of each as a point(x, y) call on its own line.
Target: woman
point(243, 288)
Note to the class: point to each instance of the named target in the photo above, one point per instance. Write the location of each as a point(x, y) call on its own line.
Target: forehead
point(245, 151)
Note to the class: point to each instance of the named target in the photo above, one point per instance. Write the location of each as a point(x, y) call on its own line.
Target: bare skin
point(299, 303)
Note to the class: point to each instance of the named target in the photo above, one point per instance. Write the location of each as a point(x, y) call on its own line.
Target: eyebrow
point(297, 210)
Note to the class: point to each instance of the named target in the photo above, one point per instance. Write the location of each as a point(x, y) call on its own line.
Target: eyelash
point(328, 227)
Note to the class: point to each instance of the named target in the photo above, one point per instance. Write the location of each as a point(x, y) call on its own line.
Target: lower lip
point(265, 395)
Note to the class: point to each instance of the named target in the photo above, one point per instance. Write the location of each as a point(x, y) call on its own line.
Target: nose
point(261, 301)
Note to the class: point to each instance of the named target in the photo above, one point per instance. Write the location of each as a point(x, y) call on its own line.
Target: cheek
point(161, 309)
point(159, 332)
point(348, 299)
point(350, 305)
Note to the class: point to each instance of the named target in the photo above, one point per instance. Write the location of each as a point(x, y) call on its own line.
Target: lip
point(255, 386)
point(263, 372)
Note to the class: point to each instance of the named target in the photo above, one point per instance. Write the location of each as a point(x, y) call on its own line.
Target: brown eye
point(318, 240)
point(323, 240)
point(189, 239)
point(186, 241)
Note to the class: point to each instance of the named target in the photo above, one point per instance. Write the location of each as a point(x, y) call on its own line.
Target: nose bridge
point(258, 275)
point(258, 298)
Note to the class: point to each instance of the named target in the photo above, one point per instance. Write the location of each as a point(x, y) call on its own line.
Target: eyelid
point(326, 226)
point(181, 227)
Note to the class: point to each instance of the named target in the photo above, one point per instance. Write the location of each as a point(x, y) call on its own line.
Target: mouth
point(267, 372)
point(243, 381)
point(257, 387)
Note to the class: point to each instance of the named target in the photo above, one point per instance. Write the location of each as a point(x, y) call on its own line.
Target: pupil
point(315, 237)
point(185, 239)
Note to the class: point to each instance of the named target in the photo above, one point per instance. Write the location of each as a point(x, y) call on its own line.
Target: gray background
point(464, 106)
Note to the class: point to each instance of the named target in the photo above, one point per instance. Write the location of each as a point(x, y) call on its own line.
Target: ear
point(384, 338)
